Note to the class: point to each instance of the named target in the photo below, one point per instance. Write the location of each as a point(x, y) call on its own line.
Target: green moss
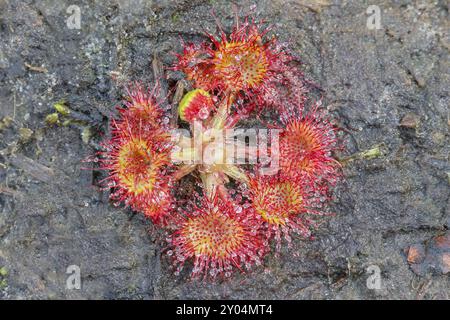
point(25, 134)
point(62, 108)
point(175, 17)
point(3, 272)
point(371, 153)
point(52, 118)
point(86, 135)
point(5, 123)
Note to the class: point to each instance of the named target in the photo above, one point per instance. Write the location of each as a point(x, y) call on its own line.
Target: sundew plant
point(255, 188)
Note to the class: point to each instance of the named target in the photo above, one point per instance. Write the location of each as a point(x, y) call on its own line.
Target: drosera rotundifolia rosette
point(241, 207)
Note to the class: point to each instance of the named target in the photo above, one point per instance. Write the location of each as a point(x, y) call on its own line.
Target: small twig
point(34, 68)
point(8, 191)
point(423, 289)
point(160, 77)
point(179, 91)
point(33, 168)
point(14, 105)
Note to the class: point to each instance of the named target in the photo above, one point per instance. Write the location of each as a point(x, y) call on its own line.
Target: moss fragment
point(52, 118)
point(62, 108)
point(3, 272)
point(372, 153)
point(86, 135)
point(5, 123)
point(175, 17)
point(25, 134)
